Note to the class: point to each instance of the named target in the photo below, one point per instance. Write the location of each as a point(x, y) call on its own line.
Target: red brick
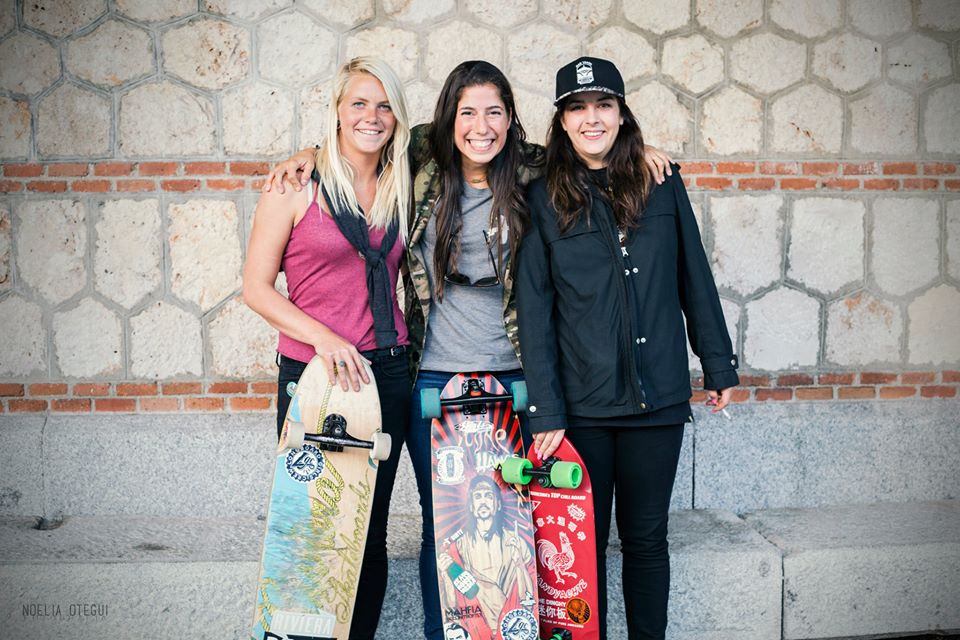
point(778, 394)
point(939, 169)
point(835, 378)
point(242, 403)
point(263, 387)
point(714, 183)
point(820, 168)
point(257, 185)
point(91, 389)
point(698, 397)
point(947, 376)
point(158, 168)
point(203, 404)
point(951, 185)
point(778, 168)
point(180, 185)
point(740, 395)
point(48, 389)
point(121, 405)
point(68, 169)
point(845, 184)
point(891, 393)
point(90, 186)
point(136, 388)
point(136, 185)
point(917, 377)
point(859, 168)
point(181, 388)
point(814, 393)
point(797, 183)
point(11, 389)
point(10, 186)
point(72, 405)
point(113, 169)
point(756, 184)
point(26, 406)
point(31, 170)
point(899, 168)
point(736, 167)
point(227, 387)
point(159, 404)
point(227, 185)
point(249, 168)
point(690, 168)
point(881, 184)
point(754, 381)
point(204, 168)
point(856, 393)
point(938, 391)
point(924, 184)
point(794, 380)
point(47, 186)
point(867, 377)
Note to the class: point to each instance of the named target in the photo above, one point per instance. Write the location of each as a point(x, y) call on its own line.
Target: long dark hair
point(508, 204)
point(568, 180)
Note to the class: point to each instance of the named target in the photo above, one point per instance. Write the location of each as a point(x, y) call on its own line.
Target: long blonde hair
point(394, 183)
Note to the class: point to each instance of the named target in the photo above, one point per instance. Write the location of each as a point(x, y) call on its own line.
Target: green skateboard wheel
point(429, 403)
point(566, 475)
point(514, 470)
point(519, 391)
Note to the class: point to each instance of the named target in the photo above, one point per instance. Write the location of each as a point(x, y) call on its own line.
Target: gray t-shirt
point(465, 332)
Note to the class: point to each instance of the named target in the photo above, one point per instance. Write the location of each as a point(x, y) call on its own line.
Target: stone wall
point(820, 141)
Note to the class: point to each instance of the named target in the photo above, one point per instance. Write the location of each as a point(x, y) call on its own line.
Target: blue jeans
point(418, 445)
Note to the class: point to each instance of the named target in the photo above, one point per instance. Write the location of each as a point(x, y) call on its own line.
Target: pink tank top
point(326, 278)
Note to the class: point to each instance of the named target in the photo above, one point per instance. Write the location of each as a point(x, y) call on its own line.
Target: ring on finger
point(341, 364)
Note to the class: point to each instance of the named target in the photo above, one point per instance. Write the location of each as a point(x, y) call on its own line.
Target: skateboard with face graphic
point(562, 499)
point(324, 476)
point(486, 558)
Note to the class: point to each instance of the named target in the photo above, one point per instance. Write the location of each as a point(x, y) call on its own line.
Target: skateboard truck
point(560, 634)
point(474, 399)
point(553, 473)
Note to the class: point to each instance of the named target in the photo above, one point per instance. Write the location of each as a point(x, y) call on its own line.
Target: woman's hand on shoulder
point(302, 163)
point(658, 162)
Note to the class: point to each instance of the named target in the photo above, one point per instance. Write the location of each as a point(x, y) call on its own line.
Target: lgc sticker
point(519, 624)
point(305, 464)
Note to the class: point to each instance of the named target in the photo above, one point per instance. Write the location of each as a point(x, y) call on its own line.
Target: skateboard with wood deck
point(324, 477)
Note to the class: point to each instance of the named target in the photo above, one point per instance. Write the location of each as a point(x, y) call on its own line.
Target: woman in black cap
point(611, 265)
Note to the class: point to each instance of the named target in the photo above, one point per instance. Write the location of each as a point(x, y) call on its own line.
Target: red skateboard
point(566, 542)
point(483, 528)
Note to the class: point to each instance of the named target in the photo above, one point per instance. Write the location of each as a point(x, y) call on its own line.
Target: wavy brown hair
point(508, 204)
point(568, 179)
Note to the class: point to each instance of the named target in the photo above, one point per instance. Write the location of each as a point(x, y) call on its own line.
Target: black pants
point(641, 463)
point(393, 385)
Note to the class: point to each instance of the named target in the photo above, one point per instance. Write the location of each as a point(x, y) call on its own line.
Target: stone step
point(159, 578)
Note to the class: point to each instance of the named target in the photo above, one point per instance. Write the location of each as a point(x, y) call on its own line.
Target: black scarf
point(380, 294)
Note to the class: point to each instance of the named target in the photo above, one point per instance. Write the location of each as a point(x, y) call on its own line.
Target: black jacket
point(602, 335)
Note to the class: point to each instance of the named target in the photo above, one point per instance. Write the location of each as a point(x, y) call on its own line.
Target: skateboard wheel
point(514, 470)
point(291, 388)
point(566, 475)
point(429, 403)
point(295, 435)
point(519, 391)
point(382, 444)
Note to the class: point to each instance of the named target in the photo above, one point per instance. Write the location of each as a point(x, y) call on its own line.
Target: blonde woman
point(340, 243)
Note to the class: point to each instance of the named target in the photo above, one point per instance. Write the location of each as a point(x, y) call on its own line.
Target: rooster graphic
point(555, 560)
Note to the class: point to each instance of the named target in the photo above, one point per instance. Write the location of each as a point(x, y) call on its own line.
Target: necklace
point(477, 180)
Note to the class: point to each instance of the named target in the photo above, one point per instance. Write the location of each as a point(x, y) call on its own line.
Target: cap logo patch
point(584, 72)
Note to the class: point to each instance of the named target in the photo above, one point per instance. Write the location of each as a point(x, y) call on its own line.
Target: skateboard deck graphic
point(324, 477)
point(566, 551)
point(486, 564)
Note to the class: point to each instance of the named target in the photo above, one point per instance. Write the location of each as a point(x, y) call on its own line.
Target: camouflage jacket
point(426, 189)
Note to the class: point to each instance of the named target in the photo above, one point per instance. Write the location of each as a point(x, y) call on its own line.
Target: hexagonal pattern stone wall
point(109, 271)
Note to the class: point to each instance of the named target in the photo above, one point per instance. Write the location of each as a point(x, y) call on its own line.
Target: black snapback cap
point(588, 74)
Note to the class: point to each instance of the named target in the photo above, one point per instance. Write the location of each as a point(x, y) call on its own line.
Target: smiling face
point(592, 121)
point(366, 119)
point(480, 128)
